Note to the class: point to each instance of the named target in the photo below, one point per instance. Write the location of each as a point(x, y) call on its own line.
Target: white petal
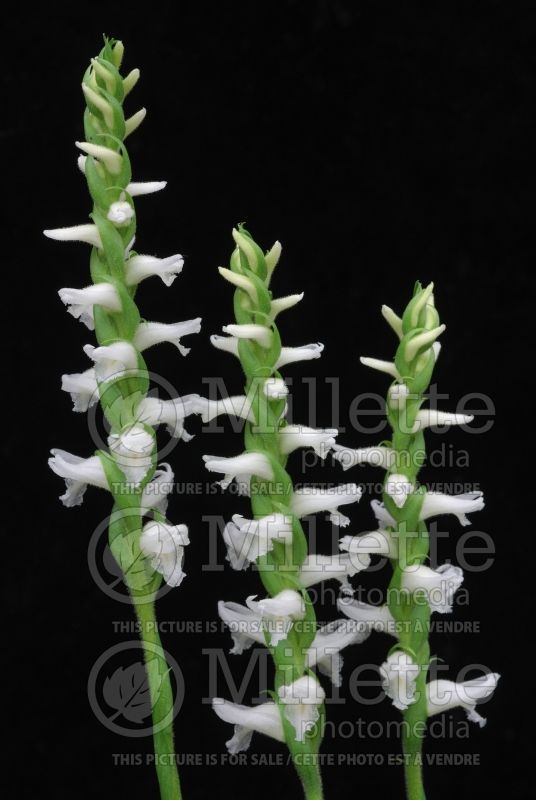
point(78, 473)
point(383, 517)
point(436, 503)
point(399, 675)
point(439, 585)
point(430, 418)
point(293, 436)
point(275, 388)
point(382, 366)
point(164, 545)
point(151, 333)
point(112, 360)
point(444, 695)
point(307, 352)
point(246, 464)
point(368, 617)
point(301, 700)
point(155, 493)
point(264, 718)
point(398, 488)
point(380, 456)
point(375, 543)
point(311, 499)
point(341, 566)
point(89, 234)
point(82, 386)
point(247, 539)
point(330, 639)
point(245, 626)
point(139, 267)
point(258, 333)
point(170, 413)
point(147, 187)
point(237, 406)
point(80, 302)
point(110, 158)
point(283, 303)
point(229, 344)
point(132, 450)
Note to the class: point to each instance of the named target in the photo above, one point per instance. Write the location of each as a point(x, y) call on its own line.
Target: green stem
point(312, 783)
point(161, 701)
point(412, 736)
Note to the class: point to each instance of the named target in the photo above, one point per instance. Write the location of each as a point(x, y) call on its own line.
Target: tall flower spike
point(151, 551)
point(274, 539)
point(416, 590)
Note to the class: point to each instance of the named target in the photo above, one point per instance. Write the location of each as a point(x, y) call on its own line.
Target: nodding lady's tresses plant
point(120, 380)
point(274, 540)
point(415, 590)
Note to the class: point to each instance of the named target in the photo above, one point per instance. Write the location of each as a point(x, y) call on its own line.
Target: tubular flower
point(443, 695)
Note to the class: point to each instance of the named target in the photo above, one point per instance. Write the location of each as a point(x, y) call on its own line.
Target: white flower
point(248, 539)
point(237, 406)
point(368, 617)
point(155, 493)
point(443, 695)
point(398, 395)
point(341, 566)
point(382, 366)
point(375, 543)
point(89, 234)
point(78, 473)
point(241, 281)
point(380, 456)
point(164, 545)
point(139, 267)
point(132, 450)
point(145, 187)
point(264, 718)
point(82, 386)
point(120, 212)
point(258, 333)
point(438, 585)
point(80, 302)
point(398, 488)
point(325, 650)
point(112, 360)
point(245, 626)
point(244, 466)
point(320, 439)
point(311, 499)
point(430, 418)
point(151, 333)
point(280, 304)
point(278, 613)
point(436, 503)
point(226, 343)
point(111, 159)
point(306, 352)
point(424, 339)
point(399, 675)
point(170, 413)
point(301, 700)
point(275, 389)
point(393, 319)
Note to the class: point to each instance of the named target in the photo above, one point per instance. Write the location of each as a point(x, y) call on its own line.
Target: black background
point(380, 142)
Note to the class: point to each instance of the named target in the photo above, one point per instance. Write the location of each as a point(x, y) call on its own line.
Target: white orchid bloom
point(431, 418)
point(374, 543)
point(399, 674)
point(78, 473)
point(311, 499)
point(443, 695)
point(155, 493)
point(301, 700)
point(368, 617)
point(249, 539)
point(398, 488)
point(89, 234)
point(325, 650)
point(164, 545)
point(170, 413)
point(236, 406)
point(439, 585)
point(134, 189)
point(264, 718)
point(243, 466)
point(120, 212)
point(306, 352)
point(245, 625)
point(434, 504)
point(229, 344)
point(320, 439)
point(111, 159)
point(80, 302)
point(112, 360)
point(278, 613)
point(83, 388)
point(341, 566)
point(380, 456)
point(132, 450)
point(382, 366)
point(149, 334)
point(275, 389)
point(140, 267)
point(397, 395)
point(260, 334)
point(280, 304)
